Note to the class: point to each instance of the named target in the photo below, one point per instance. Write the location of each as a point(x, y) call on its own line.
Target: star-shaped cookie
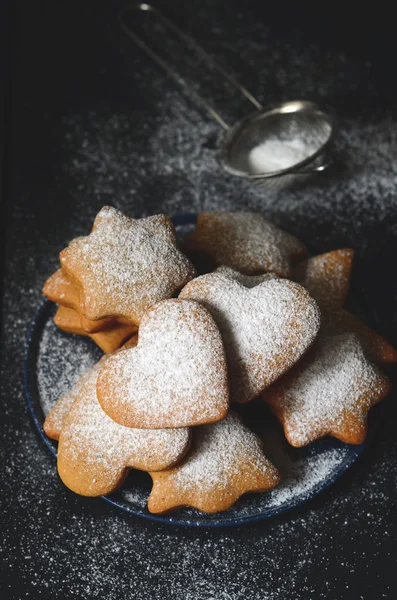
point(94, 452)
point(265, 329)
point(126, 265)
point(108, 340)
point(329, 392)
point(63, 290)
point(247, 242)
point(225, 461)
point(175, 377)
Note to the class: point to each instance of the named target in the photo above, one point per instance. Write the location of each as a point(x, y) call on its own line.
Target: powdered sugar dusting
point(331, 390)
point(248, 281)
point(177, 374)
point(126, 265)
point(219, 453)
point(245, 241)
point(265, 329)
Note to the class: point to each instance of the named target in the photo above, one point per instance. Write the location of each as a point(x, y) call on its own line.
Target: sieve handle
point(199, 100)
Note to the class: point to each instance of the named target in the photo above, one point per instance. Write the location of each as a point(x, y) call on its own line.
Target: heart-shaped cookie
point(328, 393)
point(94, 452)
point(175, 377)
point(225, 461)
point(265, 329)
point(247, 242)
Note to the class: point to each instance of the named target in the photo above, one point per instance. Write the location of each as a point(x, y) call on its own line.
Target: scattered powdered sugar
point(303, 476)
point(245, 241)
point(61, 360)
point(265, 329)
point(331, 391)
point(175, 377)
point(126, 265)
point(275, 155)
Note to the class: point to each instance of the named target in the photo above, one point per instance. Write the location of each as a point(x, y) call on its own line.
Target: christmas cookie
point(175, 377)
point(326, 277)
point(247, 242)
point(126, 265)
point(328, 393)
point(225, 461)
point(94, 452)
point(265, 329)
point(108, 340)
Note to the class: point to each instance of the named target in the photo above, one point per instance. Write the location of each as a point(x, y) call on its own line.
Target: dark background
point(89, 121)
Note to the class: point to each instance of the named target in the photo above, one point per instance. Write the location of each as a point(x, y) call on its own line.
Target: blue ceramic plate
point(53, 362)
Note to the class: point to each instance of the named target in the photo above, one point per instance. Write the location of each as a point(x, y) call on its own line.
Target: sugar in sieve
point(274, 145)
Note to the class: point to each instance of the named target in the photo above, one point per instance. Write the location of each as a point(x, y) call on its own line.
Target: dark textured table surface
point(90, 121)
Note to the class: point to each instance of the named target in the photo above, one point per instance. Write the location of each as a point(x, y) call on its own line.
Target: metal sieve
point(274, 145)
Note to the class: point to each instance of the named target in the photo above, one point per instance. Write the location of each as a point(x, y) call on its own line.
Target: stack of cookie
point(267, 322)
point(108, 280)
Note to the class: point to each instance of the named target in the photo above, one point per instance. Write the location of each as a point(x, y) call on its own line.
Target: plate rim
point(354, 452)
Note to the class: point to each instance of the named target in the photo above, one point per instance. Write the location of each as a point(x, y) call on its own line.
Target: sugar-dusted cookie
point(247, 242)
point(59, 288)
point(326, 277)
point(94, 452)
point(175, 377)
point(108, 340)
point(53, 423)
point(225, 461)
point(375, 347)
point(265, 329)
point(328, 393)
point(126, 265)
point(64, 290)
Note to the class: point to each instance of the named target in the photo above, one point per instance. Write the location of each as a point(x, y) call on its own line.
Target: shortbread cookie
point(54, 421)
point(328, 393)
point(175, 377)
point(326, 277)
point(247, 242)
point(226, 460)
point(375, 347)
point(108, 340)
point(265, 329)
point(59, 288)
point(63, 290)
point(94, 452)
point(126, 265)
